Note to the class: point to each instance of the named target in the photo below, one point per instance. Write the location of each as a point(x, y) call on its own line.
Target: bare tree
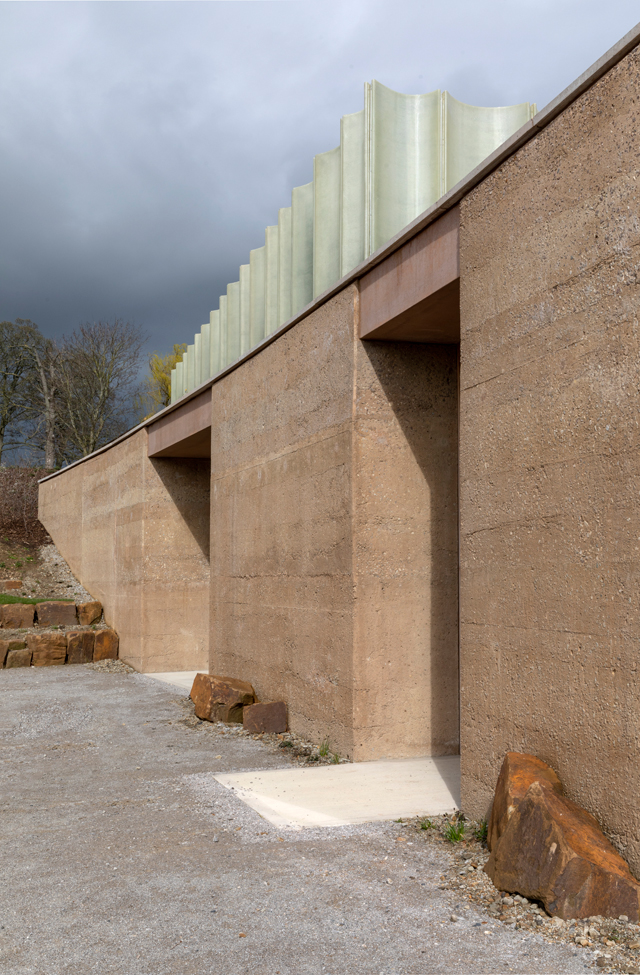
point(42, 398)
point(46, 359)
point(97, 373)
point(16, 341)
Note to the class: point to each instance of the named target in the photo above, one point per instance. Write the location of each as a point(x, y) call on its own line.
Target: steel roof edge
point(540, 121)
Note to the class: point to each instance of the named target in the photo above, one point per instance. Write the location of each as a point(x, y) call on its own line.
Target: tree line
point(61, 400)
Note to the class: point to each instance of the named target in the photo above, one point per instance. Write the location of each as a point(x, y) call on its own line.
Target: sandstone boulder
point(265, 718)
point(57, 613)
point(80, 645)
point(516, 775)
point(17, 616)
point(106, 645)
point(47, 649)
point(8, 584)
point(18, 658)
point(6, 646)
point(221, 698)
point(553, 851)
point(89, 613)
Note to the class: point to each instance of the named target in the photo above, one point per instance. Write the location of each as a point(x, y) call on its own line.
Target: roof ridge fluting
point(396, 157)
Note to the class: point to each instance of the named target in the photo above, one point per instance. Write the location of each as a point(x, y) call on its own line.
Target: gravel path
point(121, 854)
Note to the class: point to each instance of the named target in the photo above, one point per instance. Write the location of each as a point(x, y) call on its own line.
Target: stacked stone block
point(65, 637)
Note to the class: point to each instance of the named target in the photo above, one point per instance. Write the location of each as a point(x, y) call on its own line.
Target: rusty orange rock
point(17, 616)
point(18, 658)
point(47, 649)
point(516, 775)
point(106, 645)
point(221, 698)
point(6, 646)
point(89, 613)
point(7, 584)
point(549, 849)
point(266, 718)
point(57, 613)
point(80, 645)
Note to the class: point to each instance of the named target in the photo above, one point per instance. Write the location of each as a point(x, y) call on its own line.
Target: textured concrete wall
point(405, 549)
point(334, 535)
point(281, 591)
point(550, 459)
point(135, 531)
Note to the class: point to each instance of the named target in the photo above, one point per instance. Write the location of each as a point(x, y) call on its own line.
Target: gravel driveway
point(121, 854)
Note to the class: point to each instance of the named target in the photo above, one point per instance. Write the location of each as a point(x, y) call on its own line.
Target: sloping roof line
point(528, 131)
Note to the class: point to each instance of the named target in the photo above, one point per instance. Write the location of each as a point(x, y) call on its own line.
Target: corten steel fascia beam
point(186, 432)
point(528, 131)
point(414, 294)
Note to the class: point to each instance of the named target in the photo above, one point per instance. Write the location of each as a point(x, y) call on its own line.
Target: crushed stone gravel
point(614, 943)
point(121, 855)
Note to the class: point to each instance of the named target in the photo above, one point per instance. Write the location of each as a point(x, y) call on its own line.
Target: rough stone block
point(80, 646)
point(553, 851)
point(57, 614)
point(516, 775)
point(17, 616)
point(269, 718)
point(221, 698)
point(8, 584)
point(48, 649)
point(18, 658)
point(6, 646)
point(89, 613)
point(106, 645)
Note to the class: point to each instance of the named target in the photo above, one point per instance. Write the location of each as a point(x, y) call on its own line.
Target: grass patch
point(454, 831)
point(6, 599)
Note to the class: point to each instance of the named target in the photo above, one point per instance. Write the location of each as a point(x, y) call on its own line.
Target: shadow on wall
point(420, 382)
point(187, 480)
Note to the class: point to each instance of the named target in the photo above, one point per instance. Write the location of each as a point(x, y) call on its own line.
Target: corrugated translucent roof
point(396, 157)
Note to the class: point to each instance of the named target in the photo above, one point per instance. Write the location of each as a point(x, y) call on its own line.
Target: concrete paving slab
point(341, 795)
point(178, 678)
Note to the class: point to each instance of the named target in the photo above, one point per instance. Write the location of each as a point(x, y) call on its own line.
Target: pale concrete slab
point(340, 795)
point(179, 678)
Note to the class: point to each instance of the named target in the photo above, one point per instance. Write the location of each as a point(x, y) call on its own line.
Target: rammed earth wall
point(135, 531)
point(335, 494)
point(550, 459)
point(333, 517)
point(334, 535)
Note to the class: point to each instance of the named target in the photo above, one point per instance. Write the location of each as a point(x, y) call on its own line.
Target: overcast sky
point(144, 146)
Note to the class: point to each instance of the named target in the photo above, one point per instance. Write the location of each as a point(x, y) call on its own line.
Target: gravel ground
point(614, 942)
point(121, 854)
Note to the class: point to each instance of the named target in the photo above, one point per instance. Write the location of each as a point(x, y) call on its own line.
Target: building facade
point(412, 511)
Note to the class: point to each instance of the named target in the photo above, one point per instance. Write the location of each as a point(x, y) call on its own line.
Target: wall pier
point(135, 531)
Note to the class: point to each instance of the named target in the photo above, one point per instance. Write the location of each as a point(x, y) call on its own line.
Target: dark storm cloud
point(145, 146)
